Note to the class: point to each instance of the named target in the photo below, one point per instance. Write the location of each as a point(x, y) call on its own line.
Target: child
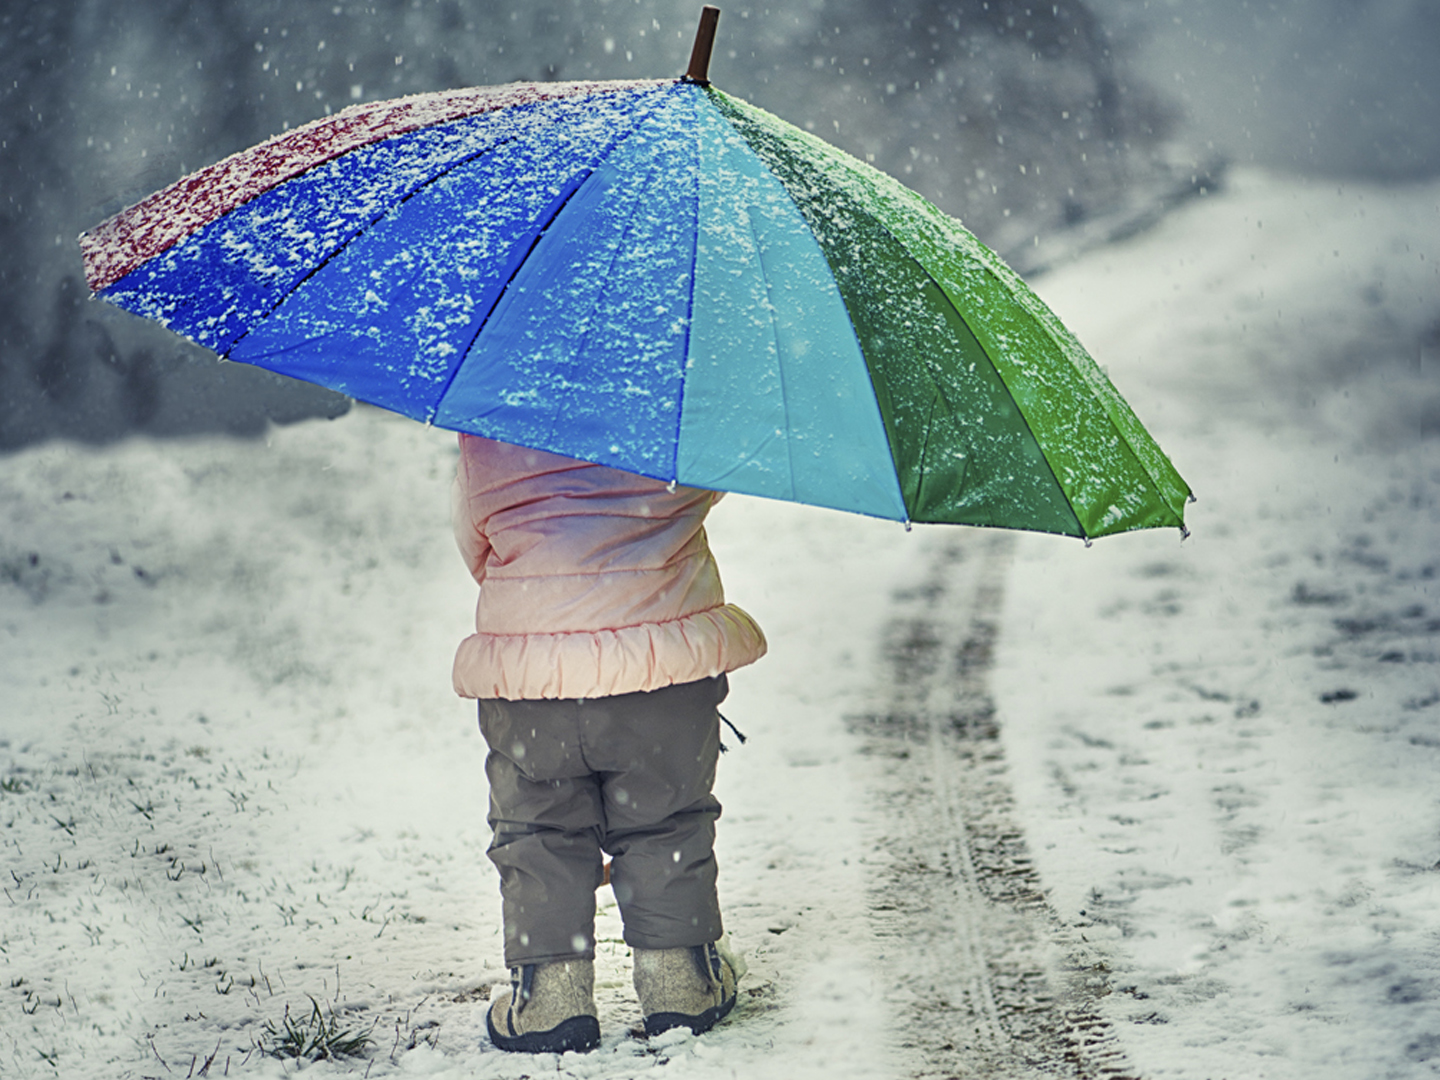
point(602, 646)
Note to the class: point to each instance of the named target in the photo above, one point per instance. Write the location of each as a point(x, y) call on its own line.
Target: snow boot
point(686, 987)
point(549, 1008)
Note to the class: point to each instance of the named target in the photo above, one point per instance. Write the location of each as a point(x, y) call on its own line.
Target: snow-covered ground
point(1227, 750)
point(233, 778)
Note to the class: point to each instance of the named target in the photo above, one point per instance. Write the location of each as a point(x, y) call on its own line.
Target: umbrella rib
point(689, 330)
point(609, 271)
point(520, 265)
point(534, 243)
point(1119, 432)
point(1158, 486)
point(157, 223)
point(929, 371)
point(925, 443)
point(779, 358)
point(361, 231)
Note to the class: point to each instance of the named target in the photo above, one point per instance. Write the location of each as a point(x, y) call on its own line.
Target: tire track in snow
point(982, 978)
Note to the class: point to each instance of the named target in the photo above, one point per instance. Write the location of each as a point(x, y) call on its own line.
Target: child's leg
point(656, 753)
point(658, 765)
point(547, 814)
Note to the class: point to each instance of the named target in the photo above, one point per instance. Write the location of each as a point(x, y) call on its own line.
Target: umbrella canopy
point(651, 275)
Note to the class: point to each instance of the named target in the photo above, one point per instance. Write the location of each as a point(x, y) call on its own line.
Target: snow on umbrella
point(651, 275)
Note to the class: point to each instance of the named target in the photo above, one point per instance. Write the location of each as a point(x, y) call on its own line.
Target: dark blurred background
point(1045, 127)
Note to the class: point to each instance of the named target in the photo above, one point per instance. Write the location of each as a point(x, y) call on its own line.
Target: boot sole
point(656, 1023)
point(579, 1033)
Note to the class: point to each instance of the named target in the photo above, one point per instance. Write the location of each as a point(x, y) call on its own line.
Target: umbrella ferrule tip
point(699, 70)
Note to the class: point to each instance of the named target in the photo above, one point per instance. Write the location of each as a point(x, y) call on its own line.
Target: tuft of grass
point(314, 1037)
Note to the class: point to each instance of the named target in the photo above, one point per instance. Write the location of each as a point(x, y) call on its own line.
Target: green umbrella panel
point(995, 413)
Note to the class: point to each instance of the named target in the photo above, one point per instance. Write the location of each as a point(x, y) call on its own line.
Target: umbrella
point(652, 275)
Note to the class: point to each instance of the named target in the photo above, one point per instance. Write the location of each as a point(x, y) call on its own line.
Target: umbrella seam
point(729, 112)
point(600, 159)
point(98, 240)
point(356, 235)
point(1001, 271)
point(925, 445)
point(927, 365)
point(1084, 532)
point(689, 323)
point(779, 357)
point(499, 296)
point(1157, 488)
point(1139, 461)
point(586, 333)
point(619, 248)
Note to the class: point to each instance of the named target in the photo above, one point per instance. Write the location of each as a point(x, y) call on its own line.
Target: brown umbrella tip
point(704, 42)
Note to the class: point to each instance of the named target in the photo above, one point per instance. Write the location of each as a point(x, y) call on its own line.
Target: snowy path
point(233, 777)
point(1227, 749)
point(981, 979)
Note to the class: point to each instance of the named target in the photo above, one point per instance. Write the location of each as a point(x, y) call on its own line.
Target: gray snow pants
point(629, 775)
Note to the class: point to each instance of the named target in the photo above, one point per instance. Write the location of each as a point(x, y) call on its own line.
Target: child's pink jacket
point(593, 581)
